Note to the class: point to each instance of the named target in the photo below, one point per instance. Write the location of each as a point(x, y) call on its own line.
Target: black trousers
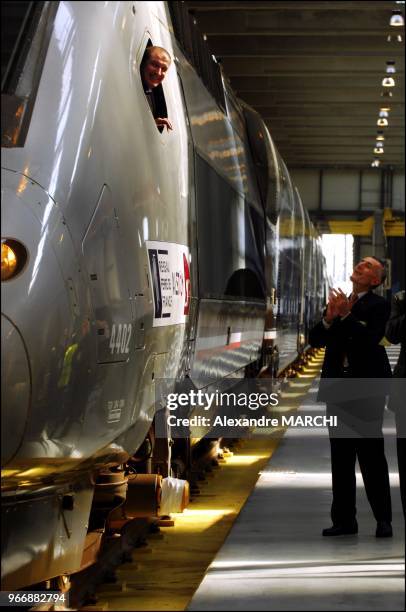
point(401, 451)
point(372, 461)
point(396, 404)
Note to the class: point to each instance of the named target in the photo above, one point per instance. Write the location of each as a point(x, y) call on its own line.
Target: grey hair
point(383, 271)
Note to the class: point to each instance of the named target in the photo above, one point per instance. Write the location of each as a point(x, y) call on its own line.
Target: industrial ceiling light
point(382, 122)
point(378, 150)
point(397, 20)
point(388, 82)
point(379, 135)
point(384, 111)
point(376, 163)
point(390, 67)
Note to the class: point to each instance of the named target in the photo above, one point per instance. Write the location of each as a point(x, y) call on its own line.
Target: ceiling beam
point(297, 46)
point(209, 5)
point(289, 83)
point(261, 66)
point(285, 22)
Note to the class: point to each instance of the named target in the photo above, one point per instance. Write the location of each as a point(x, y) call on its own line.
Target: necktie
point(354, 298)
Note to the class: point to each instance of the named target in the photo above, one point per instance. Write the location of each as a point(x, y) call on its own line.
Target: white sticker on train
point(170, 275)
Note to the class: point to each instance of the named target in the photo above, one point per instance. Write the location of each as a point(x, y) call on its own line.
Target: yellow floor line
point(166, 574)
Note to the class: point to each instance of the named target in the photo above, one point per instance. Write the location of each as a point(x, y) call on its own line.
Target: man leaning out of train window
point(154, 66)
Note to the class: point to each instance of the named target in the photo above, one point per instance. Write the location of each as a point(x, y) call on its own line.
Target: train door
point(193, 272)
point(104, 257)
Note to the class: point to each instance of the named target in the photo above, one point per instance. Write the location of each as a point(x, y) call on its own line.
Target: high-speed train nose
point(15, 389)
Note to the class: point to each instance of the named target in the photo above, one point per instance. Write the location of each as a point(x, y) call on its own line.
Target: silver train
point(128, 256)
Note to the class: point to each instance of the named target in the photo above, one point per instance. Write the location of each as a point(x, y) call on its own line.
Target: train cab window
point(26, 31)
point(154, 66)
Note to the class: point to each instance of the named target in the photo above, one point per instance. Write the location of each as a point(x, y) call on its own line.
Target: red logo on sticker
point(187, 285)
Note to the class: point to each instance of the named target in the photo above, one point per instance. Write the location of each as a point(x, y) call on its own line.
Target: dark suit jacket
point(395, 333)
point(355, 339)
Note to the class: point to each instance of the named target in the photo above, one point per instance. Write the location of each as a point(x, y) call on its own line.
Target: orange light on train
point(13, 258)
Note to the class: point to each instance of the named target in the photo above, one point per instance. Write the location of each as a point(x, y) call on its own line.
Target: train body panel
point(224, 211)
point(229, 337)
point(289, 279)
point(51, 542)
point(112, 200)
point(152, 255)
point(39, 229)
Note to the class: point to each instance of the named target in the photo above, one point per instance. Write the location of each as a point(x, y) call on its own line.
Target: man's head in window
point(154, 66)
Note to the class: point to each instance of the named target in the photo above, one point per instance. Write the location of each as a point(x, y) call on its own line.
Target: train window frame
point(203, 169)
point(158, 92)
point(196, 50)
point(23, 72)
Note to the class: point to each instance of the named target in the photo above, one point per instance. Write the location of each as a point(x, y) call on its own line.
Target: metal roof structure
point(314, 71)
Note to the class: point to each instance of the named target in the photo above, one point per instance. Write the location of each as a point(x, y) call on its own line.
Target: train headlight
point(13, 258)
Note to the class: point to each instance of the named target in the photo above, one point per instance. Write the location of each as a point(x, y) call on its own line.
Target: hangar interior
point(155, 268)
point(314, 71)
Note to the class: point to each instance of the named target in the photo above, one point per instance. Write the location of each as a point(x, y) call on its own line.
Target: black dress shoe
point(337, 530)
point(383, 529)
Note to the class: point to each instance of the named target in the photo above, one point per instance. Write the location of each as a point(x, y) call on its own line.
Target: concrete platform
point(275, 557)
